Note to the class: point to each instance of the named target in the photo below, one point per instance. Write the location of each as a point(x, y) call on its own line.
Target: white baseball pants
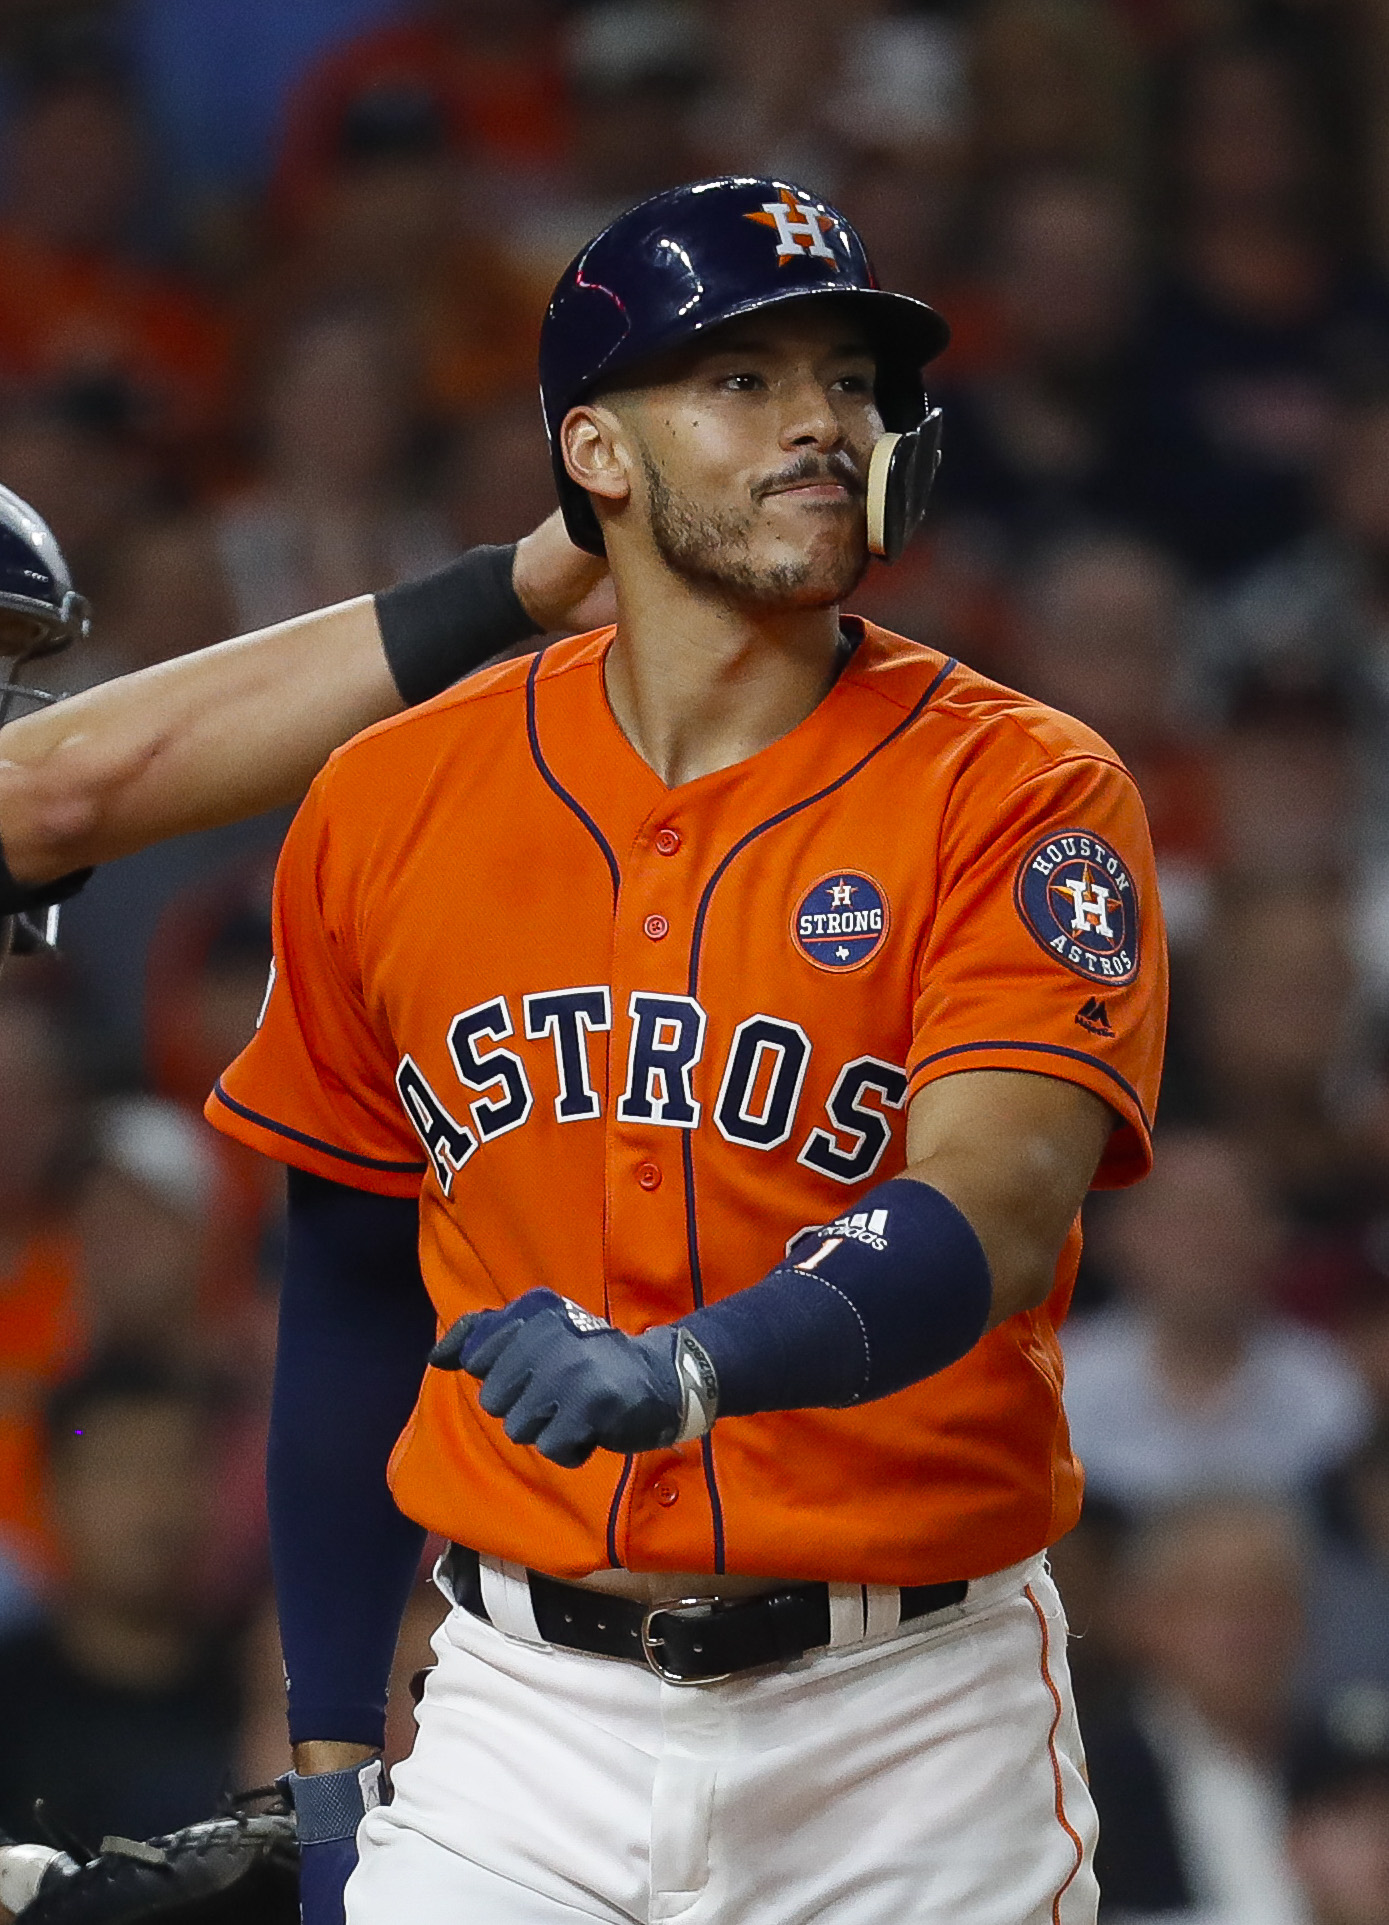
point(926, 1777)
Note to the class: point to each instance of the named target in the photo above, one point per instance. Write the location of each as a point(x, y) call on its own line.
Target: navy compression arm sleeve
point(355, 1329)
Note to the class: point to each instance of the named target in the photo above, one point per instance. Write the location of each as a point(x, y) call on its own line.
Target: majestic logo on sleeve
point(1078, 900)
point(841, 922)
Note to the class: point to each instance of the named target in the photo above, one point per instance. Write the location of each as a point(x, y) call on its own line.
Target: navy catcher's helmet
point(694, 257)
point(40, 610)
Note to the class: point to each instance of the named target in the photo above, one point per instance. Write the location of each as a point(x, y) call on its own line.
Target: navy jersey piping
point(806, 802)
point(711, 1482)
point(1041, 1049)
point(576, 808)
point(628, 1467)
point(315, 1142)
point(696, 948)
point(548, 775)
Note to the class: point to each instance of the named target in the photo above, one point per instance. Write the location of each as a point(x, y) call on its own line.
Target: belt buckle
point(651, 1644)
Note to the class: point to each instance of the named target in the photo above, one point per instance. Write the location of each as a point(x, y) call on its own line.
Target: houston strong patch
point(842, 921)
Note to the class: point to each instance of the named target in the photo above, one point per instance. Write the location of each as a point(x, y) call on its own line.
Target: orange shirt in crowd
point(625, 1040)
point(509, 113)
point(42, 1337)
point(65, 315)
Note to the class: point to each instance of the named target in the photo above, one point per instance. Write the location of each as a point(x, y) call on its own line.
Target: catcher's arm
point(232, 730)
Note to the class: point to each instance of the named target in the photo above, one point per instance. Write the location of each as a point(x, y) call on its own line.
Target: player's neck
point(697, 684)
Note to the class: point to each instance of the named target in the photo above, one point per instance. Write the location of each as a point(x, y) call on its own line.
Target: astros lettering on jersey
point(627, 1041)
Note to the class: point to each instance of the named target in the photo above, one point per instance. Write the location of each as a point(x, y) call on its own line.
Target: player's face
point(753, 454)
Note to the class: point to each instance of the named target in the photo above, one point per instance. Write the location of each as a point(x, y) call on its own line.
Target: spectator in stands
point(1278, 1025)
point(1033, 433)
point(1053, 87)
point(1350, 1577)
point(163, 593)
point(1189, 1380)
point(119, 1710)
point(495, 66)
point(80, 298)
point(332, 515)
point(1338, 1824)
point(637, 72)
point(1285, 788)
point(1315, 617)
point(1187, 1773)
point(206, 983)
point(1261, 305)
point(143, 1212)
point(392, 220)
point(76, 453)
point(1365, 1322)
point(42, 1317)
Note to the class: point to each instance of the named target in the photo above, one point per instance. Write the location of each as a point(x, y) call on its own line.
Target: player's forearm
point(209, 738)
point(355, 1327)
point(244, 726)
point(1043, 1138)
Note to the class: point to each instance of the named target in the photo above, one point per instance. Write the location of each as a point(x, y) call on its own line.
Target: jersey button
point(656, 927)
point(649, 1176)
point(667, 842)
point(664, 1493)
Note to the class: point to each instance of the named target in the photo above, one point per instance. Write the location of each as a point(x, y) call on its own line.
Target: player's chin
point(821, 572)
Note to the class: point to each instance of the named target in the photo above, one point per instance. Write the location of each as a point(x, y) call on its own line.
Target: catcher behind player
point(209, 738)
point(724, 1015)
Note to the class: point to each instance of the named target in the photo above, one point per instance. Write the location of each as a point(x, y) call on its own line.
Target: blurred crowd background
point(270, 283)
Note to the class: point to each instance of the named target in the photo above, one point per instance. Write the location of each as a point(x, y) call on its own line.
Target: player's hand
point(565, 1381)
point(560, 586)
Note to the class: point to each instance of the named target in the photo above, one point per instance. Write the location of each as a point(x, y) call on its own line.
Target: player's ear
point(596, 452)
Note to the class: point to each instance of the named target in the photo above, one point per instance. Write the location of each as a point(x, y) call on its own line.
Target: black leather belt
point(685, 1640)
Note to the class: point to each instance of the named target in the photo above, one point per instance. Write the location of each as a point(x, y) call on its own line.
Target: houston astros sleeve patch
point(1046, 949)
point(1078, 900)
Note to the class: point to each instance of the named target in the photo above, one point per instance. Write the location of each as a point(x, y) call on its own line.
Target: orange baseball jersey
point(624, 1041)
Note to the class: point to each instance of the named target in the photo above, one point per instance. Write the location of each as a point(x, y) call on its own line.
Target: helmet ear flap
point(901, 472)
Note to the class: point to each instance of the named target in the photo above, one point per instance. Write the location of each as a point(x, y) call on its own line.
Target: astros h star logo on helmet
point(800, 228)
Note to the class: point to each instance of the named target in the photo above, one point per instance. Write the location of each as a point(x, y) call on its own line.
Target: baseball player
point(725, 1014)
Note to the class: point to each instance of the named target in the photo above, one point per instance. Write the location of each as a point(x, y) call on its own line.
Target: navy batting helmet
point(40, 610)
point(697, 256)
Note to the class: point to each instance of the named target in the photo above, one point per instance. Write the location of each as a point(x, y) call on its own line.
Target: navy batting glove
point(567, 1382)
point(328, 1807)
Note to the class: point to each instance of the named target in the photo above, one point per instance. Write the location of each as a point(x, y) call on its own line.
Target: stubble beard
point(714, 551)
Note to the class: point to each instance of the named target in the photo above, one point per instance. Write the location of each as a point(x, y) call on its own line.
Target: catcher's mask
point(696, 256)
point(40, 613)
point(40, 610)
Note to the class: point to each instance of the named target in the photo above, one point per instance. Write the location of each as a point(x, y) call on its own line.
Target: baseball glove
point(240, 1869)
